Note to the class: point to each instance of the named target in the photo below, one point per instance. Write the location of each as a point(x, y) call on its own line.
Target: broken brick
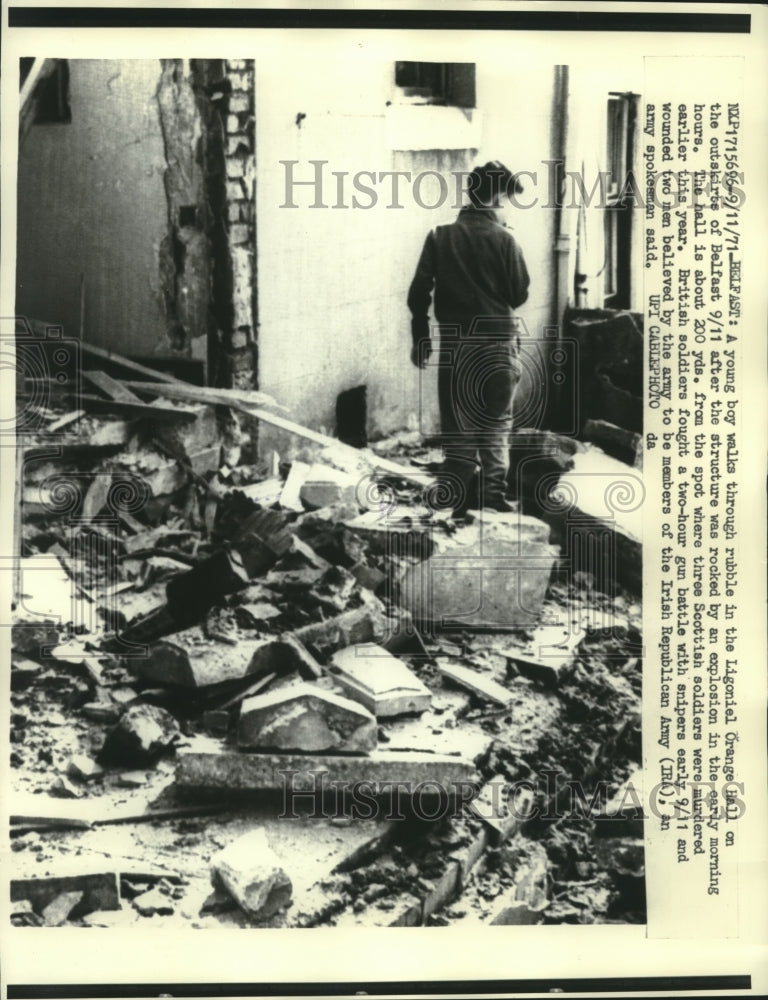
point(251, 873)
point(307, 719)
point(378, 680)
point(143, 733)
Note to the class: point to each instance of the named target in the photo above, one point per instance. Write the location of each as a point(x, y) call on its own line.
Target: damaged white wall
point(333, 281)
point(91, 201)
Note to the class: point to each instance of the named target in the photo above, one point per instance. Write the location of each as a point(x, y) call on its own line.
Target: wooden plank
point(98, 404)
point(123, 362)
point(65, 421)
point(41, 68)
point(245, 402)
point(111, 387)
point(235, 398)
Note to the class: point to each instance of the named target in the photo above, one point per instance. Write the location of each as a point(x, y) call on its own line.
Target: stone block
point(499, 587)
point(83, 768)
point(480, 685)
point(282, 656)
point(59, 909)
point(143, 734)
point(364, 624)
point(239, 104)
point(189, 659)
point(205, 767)
point(378, 680)
point(251, 873)
point(239, 234)
point(235, 167)
point(325, 486)
point(306, 719)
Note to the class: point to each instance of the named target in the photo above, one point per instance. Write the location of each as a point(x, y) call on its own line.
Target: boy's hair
point(488, 182)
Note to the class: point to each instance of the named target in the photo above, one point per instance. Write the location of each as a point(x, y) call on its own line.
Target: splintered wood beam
point(246, 403)
point(111, 387)
point(236, 398)
point(41, 68)
point(133, 366)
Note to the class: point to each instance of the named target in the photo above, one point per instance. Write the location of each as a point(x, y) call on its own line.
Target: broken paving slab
point(479, 684)
point(377, 679)
point(100, 888)
point(206, 767)
point(306, 719)
point(189, 659)
point(251, 873)
point(500, 588)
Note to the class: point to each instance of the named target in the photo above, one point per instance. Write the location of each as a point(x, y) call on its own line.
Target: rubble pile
point(221, 665)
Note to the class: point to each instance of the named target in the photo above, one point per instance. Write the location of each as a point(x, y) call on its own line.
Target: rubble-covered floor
point(558, 694)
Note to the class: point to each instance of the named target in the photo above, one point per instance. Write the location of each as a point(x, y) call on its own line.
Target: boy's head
point(487, 184)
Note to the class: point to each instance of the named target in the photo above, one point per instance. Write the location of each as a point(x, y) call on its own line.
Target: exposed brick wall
point(241, 219)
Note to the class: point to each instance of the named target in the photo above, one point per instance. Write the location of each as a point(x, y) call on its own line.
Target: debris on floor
point(304, 707)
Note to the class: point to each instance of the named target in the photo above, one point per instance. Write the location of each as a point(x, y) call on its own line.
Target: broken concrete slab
point(251, 873)
point(84, 768)
point(325, 486)
point(364, 624)
point(142, 735)
point(24, 672)
point(393, 533)
point(550, 650)
point(204, 766)
point(306, 719)
point(153, 902)
point(479, 684)
point(377, 679)
point(100, 889)
point(190, 659)
point(290, 498)
point(59, 909)
point(501, 588)
point(256, 615)
point(503, 807)
point(282, 656)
